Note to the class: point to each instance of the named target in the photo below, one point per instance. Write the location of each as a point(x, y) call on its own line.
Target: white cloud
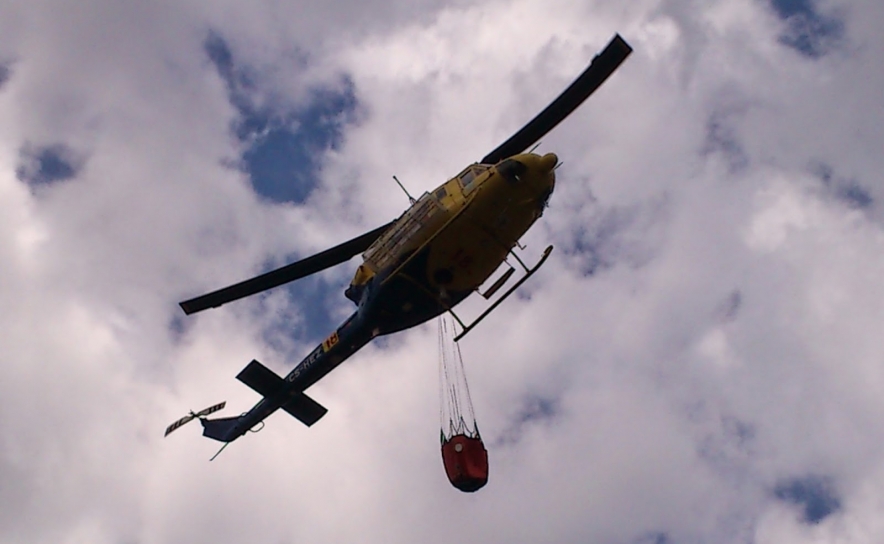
point(728, 341)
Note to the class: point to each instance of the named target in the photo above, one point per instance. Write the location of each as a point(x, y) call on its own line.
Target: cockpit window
point(512, 170)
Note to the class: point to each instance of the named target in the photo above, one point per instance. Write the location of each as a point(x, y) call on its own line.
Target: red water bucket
point(466, 462)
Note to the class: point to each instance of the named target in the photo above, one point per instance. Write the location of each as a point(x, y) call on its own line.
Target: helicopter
point(439, 251)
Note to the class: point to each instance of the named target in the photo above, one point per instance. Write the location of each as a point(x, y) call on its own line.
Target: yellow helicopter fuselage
point(452, 239)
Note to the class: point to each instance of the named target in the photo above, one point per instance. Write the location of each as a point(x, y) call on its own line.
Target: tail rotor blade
point(191, 416)
point(186, 419)
point(211, 409)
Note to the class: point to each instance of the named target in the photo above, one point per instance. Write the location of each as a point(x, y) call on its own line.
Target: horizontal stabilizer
point(305, 409)
point(261, 379)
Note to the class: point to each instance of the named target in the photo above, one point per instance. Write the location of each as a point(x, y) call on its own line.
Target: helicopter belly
point(405, 299)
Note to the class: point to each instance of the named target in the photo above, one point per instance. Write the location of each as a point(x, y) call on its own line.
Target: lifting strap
point(456, 413)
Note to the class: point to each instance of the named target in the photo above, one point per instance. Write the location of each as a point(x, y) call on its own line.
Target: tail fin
point(222, 429)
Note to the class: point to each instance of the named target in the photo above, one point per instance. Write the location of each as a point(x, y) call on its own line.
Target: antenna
point(219, 451)
point(410, 198)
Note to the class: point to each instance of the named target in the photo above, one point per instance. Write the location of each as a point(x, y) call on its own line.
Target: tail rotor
point(195, 415)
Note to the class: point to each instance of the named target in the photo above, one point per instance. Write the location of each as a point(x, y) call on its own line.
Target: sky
point(699, 361)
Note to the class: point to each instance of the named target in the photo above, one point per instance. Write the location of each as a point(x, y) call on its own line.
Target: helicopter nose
point(548, 162)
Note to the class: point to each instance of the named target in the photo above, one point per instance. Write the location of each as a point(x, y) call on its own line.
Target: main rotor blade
point(602, 66)
point(280, 276)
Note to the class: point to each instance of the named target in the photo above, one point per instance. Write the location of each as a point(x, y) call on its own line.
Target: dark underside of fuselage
point(407, 298)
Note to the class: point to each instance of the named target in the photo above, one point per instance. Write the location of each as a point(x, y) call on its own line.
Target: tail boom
point(288, 393)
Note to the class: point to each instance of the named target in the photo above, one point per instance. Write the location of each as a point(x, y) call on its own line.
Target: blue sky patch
point(596, 242)
point(855, 195)
point(178, 325)
point(283, 149)
point(815, 495)
point(727, 447)
point(5, 73)
point(808, 31)
point(848, 191)
point(535, 409)
point(538, 409)
point(731, 306)
point(284, 159)
point(45, 165)
point(314, 299)
point(654, 538)
point(721, 138)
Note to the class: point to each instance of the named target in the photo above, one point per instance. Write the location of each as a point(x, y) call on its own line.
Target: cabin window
point(382, 253)
point(469, 177)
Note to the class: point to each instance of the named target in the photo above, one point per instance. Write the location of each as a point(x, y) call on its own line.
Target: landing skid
point(528, 274)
